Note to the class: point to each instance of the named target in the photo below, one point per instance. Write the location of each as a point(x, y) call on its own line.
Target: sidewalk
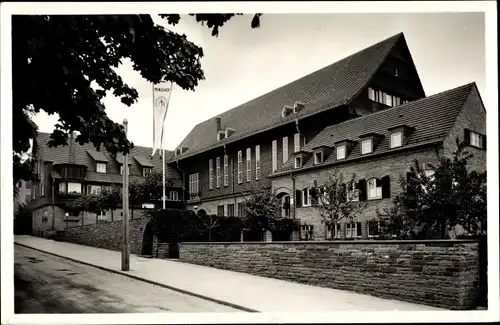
point(249, 292)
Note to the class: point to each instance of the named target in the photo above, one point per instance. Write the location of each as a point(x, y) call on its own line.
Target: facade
point(275, 140)
point(68, 172)
point(23, 195)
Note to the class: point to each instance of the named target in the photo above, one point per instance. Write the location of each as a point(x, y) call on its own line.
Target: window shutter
point(386, 187)
point(362, 189)
point(298, 198)
point(378, 183)
point(484, 141)
point(467, 136)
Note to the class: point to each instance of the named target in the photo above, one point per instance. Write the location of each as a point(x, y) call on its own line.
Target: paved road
point(48, 284)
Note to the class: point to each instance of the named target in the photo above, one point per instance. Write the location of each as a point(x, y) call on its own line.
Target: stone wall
point(107, 235)
point(436, 273)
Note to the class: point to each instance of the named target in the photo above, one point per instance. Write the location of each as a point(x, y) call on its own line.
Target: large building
point(68, 172)
point(366, 114)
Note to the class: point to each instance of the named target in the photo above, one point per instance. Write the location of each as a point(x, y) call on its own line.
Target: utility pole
point(125, 244)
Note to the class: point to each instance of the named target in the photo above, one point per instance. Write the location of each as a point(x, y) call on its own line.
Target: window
point(373, 228)
point(387, 99)
point(298, 162)
point(63, 188)
point(241, 209)
point(249, 164)
point(352, 193)
point(306, 197)
point(240, 167)
point(307, 232)
point(396, 101)
point(226, 170)
point(217, 172)
point(173, 196)
point(257, 162)
point(366, 146)
point(340, 152)
point(230, 210)
point(95, 189)
point(285, 149)
point(121, 170)
point(296, 142)
point(318, 157)
point(211, 174)
point(353, 230)
point(371, 94)
point(220, 210)
point(374, 189)
point(74, 188)
point(194, 191)
point(101, 168)
point(396, 70)
point(45, 218)
point(333, 231)
point(396, 139)
point(476, 139)
point(146, 171)
point(275, 155)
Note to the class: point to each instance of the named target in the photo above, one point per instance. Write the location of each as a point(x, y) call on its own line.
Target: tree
point(435, 201)
point(108, 199)
point(335, 202)
point(149, 189)
point(262, 209)
point(66, 65)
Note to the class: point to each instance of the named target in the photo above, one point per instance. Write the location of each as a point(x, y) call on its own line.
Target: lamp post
point(125, 245)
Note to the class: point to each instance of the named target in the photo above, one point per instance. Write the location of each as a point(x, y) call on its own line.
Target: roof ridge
point(303, 77)
point(401, 106)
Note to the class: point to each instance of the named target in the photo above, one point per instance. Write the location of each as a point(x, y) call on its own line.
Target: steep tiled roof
point(431, 117)
point(144, 162)
point(97, 156)
point(329, 87)
point(60, 155)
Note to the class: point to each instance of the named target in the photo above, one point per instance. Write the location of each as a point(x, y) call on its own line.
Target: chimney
point(218, 123)
point(71, 148)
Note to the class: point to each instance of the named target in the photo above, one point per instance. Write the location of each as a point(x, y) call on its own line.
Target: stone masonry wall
point(436, 273)
point(107, 235)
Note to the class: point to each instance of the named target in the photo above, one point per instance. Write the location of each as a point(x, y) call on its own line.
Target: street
point(44, 283)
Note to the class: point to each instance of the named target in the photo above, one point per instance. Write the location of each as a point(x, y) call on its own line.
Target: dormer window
point(396, 139)
point(341, 152)
point(366, 146)
point(318, 157)
point(147, 171)
point(298, 107)
point(221, 135)
point(298, 162)
point(101, 167)
point(287, 110)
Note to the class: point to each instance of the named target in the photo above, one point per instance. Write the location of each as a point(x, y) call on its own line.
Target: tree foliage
point(150, 188)
point(333, 202)
point(109, 198)
point(432, 206)
point(66, 65)
point(262, 209)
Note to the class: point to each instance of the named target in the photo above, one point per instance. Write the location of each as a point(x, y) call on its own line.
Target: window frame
point(100, 170)
point(240, 166)
point(217, 172)
point(303, 194)
point(370, 141)
point(73, 183)
point(173, 196)
point(369, 227)
point(376, 197)
point(226, 170)
point(121, 170)
point(479, 137)
point(274, 154)
point(316, 160)
point(285, 149)
point(400, 139)
point(296, 159)
point(211, 174)
point(349, 229)
point(344, 151)
point(248, 157)
point(257, 162)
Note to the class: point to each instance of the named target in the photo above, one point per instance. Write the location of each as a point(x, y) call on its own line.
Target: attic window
point(396, 139)
point(340, 152)
point(287, 110)
point(366, 146)
point(318, 157)
point(147, 171)
point(298, 162)
point(101, 167)
point(298, 107)
point(221, 135)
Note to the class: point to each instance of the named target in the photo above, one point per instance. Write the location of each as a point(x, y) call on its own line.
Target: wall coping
point(336, 242)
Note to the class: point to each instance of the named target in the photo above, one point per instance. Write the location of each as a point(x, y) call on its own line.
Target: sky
point(243, 63)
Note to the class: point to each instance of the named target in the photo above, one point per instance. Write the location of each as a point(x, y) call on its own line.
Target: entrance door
point(147, 240)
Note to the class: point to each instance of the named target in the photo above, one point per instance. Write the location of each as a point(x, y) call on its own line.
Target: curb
point(220, 302)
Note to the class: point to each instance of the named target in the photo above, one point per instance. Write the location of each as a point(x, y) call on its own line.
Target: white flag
point(161, 98)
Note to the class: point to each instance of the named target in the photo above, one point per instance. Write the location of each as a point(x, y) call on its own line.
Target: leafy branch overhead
point(66, 65)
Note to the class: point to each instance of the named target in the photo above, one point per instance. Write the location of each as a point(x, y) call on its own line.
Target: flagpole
point(163, 158)
point(125, 238)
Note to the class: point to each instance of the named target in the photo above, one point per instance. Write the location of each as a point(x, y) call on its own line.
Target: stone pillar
point(268, 236)
point(155, 246)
